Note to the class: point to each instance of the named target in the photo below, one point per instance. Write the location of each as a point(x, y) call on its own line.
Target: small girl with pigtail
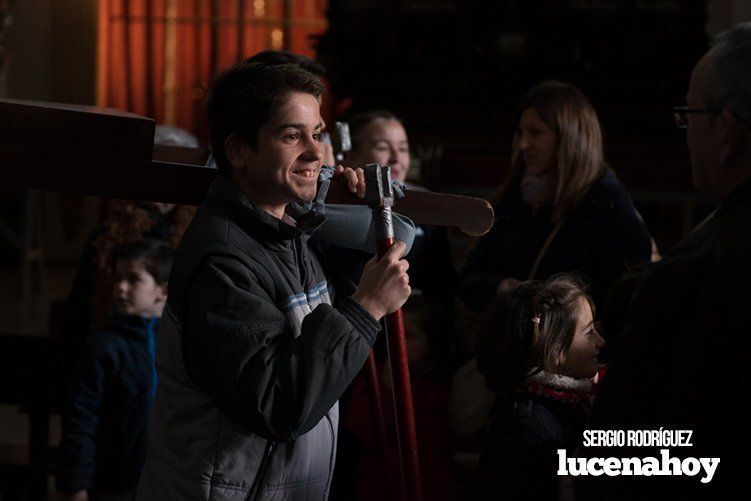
point(537, 349)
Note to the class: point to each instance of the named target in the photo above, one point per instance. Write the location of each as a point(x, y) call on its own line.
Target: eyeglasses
point(681, 113)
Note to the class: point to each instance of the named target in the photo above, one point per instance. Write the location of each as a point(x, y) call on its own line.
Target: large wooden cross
point(110, 153)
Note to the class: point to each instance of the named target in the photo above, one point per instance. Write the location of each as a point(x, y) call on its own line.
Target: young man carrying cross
point(252, 357)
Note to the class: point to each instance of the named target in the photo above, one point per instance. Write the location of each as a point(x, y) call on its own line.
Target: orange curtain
point(156, 57)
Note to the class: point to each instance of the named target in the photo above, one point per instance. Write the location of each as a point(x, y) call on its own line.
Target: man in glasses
point(683, 360)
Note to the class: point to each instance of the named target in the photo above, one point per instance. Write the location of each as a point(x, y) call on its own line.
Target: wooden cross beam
point(97, 151)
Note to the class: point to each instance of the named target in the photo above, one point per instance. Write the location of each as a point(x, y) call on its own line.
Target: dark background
point(454, 71)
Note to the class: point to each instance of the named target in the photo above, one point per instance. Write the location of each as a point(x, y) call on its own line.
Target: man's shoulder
point(227, 218)
point(703, 272)
point(723, 244)
point(213, 224)
point(213, 238)
point(731, 235)
point(214, 231)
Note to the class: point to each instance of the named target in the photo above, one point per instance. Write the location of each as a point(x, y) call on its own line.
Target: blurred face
point(285, 166)
point(136, 291)
point(537, 143)
point(581, 359)
point(384, 142)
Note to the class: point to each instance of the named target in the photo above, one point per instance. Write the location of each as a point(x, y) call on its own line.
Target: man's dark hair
point(275, 57)
point(242, 98)
point(156, 255)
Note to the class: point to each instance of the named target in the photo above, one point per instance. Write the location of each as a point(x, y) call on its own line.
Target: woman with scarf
point(561, 209)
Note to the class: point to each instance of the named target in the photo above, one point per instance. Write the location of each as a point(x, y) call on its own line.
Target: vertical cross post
point(380, 197)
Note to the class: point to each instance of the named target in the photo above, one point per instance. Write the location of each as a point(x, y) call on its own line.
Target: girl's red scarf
point(564, 388)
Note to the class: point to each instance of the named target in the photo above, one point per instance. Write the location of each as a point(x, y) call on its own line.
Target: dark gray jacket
point(683, 363)
point(251, 354)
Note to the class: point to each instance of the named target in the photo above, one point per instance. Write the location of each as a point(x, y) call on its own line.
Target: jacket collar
point(603, 194)
point(739, 195)
point(562, 388)
point(299, 220)
point(133, 326)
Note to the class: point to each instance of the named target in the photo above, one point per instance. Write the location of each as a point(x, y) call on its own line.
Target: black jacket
point(253, 357)
point(683, 362)
point(105, 418)
point(600, 239)
point(519, 459)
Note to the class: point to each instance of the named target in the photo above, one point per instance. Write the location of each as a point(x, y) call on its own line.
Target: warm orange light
point(259, 8)
point(277, 39)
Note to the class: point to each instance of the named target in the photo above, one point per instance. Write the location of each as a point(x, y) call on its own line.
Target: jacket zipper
point(333, 455)
point(297, 251)
point(254, 494)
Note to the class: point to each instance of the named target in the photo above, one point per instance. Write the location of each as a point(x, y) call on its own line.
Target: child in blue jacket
point(103, 446)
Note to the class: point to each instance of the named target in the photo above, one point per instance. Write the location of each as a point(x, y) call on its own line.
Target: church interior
point(453, 71)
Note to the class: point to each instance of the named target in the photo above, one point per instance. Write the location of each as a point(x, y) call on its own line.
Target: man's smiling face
point(284, 167)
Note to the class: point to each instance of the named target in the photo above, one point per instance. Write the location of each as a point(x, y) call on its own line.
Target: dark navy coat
point(105, 419)
point(600, 239)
